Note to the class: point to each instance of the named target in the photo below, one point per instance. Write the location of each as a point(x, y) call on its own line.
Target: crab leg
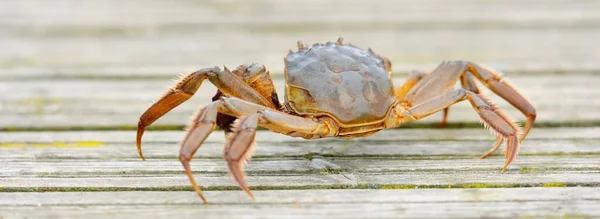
point(240, 144)
point(187, 86)
point(492, 117)
point(467, 83)
point(204, 123)
point(501, 87)
point(446, 75)
point(413, 78)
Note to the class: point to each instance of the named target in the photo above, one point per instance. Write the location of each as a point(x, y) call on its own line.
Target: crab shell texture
point(340, 81)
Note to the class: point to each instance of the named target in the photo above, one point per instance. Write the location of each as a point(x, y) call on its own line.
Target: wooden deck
point(76, 75)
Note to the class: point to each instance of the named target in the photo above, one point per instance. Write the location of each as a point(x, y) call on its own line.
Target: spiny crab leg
point(240, 143)
point(502, 88)
point(492, 117)
point(202, 125)
point(239, 148)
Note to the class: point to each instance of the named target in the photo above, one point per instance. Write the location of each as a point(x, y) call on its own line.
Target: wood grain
point(81, 103)
point(425, 157)
point(439, 203)
point(407, 143)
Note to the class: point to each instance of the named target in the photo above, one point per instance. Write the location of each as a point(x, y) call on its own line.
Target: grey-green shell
point(343, 81)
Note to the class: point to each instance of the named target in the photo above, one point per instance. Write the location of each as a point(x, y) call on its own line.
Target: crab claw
point(165, 104)
point(185, 88)
point(239, 148)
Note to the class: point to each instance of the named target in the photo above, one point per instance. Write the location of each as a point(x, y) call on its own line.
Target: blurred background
point(98, 63)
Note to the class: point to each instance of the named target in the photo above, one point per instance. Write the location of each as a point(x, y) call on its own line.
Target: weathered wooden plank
point(115, 38)
point(429, 203)
point(400, 196)
point(263, 136)
point(529, 209)
point(116, 13)
point(399, 143)
point(518, 51)
point(128, 167)
point(49, 103)
point(543, 209)
point(407, 150)
point(219, 181)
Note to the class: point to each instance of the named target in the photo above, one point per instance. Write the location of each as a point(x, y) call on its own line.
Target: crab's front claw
point(182, 91)
point(239, 148)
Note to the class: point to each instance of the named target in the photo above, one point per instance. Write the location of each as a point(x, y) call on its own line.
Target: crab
point(332, 90)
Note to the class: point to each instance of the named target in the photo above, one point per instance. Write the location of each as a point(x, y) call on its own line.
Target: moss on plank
point(526, 170)
point(554, 184)
point(307, 187)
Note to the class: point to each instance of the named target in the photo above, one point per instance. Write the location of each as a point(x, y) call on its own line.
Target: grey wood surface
point(76, 75)
point(114, 103)
point(427, 203)
point(68, 38)
point(443, 163)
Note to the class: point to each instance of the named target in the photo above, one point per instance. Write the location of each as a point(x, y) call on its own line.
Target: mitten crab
point(332, 90)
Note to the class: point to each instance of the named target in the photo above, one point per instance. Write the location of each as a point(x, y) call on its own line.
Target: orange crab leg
point(240, 144)
point(241, 140)
point(504, 89)
point(185, 88)
point(492, 117)
point(447, 74)
point(467, 83)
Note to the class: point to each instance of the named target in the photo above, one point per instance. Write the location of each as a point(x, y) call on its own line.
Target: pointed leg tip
point(139, 148)
point(238, 176)
point(138, 139)
point(199, 192)
point(505, 167)
point(185, 161)
point(203, 199)
point(249, 193)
